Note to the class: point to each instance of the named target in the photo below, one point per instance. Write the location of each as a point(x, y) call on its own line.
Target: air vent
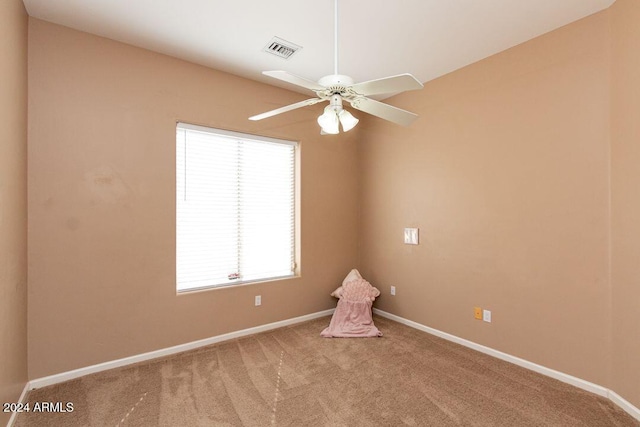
point(281, 48)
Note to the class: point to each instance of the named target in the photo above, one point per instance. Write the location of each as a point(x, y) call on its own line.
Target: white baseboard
point(560, 376)
point(624, 404)
point(21, 399)
point(76, 373)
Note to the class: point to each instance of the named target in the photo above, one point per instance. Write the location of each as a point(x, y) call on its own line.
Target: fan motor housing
point(336, 83)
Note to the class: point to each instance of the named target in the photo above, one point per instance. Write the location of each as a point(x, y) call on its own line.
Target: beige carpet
point(293, 377)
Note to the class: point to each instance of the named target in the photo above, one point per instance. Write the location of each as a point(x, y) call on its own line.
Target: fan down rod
point(335, 37)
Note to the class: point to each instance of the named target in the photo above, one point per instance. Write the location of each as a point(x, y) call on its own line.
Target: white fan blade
point(398, 83)
point(384, 111)
point(286, 108)
point(293, 79)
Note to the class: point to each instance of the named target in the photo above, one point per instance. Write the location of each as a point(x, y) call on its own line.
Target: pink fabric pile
point(352, 317)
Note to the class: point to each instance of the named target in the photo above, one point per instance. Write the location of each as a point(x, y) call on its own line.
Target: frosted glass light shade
point(328, 121)
point(347, 120)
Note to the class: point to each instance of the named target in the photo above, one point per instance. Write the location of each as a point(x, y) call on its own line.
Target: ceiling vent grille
point(281, 48)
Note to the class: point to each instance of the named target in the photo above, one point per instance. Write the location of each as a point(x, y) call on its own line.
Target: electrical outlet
point(477, 313)
point(486, 315)
point(258, 300)
point(393, 290)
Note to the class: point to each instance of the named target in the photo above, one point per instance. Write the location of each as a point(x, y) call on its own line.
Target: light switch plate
point(411, 236)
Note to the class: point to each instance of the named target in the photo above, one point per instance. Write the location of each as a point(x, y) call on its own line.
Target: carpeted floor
point(293, 377)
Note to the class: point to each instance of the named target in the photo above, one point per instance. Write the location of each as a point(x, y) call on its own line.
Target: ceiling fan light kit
point(334, 113)
point(337, 87)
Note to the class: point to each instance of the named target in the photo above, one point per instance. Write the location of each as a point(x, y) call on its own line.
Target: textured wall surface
point(13, 201)
point(506, 173)
point(102, 201)
point(625, 198)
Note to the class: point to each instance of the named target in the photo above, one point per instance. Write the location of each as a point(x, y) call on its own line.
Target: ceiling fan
point(337, 88)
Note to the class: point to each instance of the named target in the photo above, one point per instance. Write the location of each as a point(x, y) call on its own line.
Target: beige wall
point(102, 205)
point(625, 196)
point(506, 173)
point(13, 201)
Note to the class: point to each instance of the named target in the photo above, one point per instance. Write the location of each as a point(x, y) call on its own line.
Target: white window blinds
point(235, 208)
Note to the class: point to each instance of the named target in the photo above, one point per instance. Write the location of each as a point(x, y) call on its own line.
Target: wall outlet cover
point(477, 313)
point(486, 315)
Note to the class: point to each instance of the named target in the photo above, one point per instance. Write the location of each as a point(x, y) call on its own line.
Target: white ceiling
point(378, 38)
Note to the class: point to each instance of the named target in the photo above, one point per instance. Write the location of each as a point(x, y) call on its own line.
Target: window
point(235, 208)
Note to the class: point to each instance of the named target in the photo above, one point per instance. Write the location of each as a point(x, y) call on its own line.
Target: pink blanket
point(352, 317)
